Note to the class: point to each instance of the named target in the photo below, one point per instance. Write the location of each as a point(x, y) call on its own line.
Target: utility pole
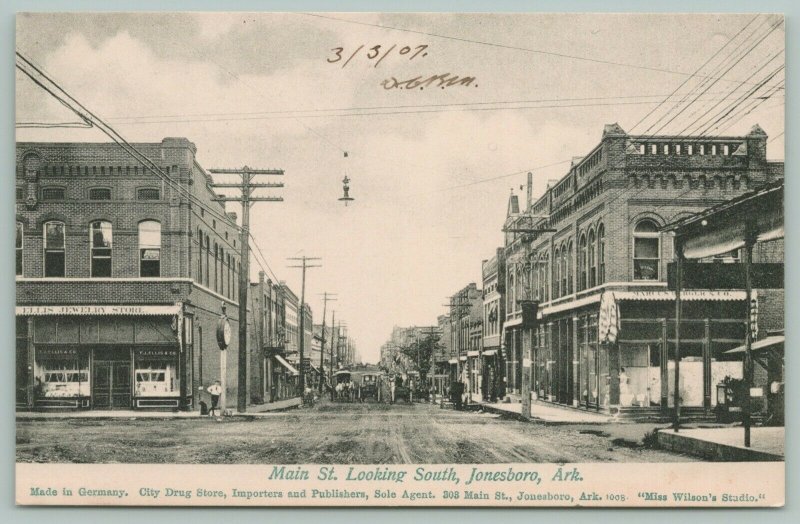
point(246, 186)
point(326, 297)
point(305, 265)
point(330, 371)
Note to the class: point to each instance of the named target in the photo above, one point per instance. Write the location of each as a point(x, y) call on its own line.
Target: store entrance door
point(111, 381)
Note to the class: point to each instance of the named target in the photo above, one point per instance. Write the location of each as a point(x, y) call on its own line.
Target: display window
point(156, 373)
point(61, 373)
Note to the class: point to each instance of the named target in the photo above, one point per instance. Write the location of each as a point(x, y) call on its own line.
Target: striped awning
point(608, 319)
point(288, 366)
point(771, 342)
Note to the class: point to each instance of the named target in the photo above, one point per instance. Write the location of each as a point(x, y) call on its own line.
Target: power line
point(696, 72)
point(124, 119)
point(91, 119)
point(502, 46)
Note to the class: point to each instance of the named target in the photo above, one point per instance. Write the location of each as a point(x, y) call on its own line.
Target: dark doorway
point(111, 381)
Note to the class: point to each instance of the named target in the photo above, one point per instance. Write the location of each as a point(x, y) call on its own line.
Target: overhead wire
point(119, 140)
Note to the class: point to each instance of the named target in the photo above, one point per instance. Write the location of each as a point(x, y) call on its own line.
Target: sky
point(431, 169)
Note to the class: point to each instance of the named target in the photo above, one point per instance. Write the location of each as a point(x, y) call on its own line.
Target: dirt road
point(325, 434)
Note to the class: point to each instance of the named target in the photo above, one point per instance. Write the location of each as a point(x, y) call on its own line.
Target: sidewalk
point(727, 444)
point(253, 410)
point(550, 414)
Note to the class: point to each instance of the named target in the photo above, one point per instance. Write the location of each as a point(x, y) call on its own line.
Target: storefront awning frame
point(282, 361)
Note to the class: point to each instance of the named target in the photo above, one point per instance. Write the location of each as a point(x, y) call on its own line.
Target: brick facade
point(601, 224)
point(198, 255)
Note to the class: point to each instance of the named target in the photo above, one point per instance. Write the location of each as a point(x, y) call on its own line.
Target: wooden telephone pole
point(305, 265)
point(326, 297)
point(332, 363)
point(246, 186)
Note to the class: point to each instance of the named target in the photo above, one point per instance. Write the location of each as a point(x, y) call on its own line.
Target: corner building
point(605, 257)
point(121, 278)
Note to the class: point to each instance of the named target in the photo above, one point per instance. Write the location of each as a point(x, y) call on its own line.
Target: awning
point(288, 366)
point(462, 358)
point(490, 353)
point(473, 353)
point(771, 342)
point(514, 322)
point(716, 295)
point(315, 368)
point(453, 361)
point(726, 226)
point(98, 310)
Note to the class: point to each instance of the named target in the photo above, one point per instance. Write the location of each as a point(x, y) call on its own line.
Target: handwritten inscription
point(441, 81)
point(376, 53)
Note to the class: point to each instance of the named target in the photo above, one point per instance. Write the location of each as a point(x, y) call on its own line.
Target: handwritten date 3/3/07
point(378, 52)
point(420, 82)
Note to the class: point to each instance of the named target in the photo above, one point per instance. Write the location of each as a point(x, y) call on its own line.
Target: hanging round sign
point(223, 333)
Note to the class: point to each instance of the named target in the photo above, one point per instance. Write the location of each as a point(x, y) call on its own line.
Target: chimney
point(530, 191)
point(261, 276)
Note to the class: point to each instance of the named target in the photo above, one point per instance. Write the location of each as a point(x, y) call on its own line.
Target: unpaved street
point(330, 434)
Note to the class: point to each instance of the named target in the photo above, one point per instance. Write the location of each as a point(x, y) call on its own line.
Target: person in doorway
point(215, 390)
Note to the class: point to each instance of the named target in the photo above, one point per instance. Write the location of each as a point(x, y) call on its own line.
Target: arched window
point(20, 241)
point(535, 277)
point(601, 254)
point(511, 290)
point(54, 249)
point(149, 248)
point(207, 246)
point(557, 291)
point(228, 274)
point(100, 238)
point(592, 260)
point(564, 277)
point(570, 276)
point(216, 267)
point(646, 250)
point(542, 278)
point(200, 255)
point(547, 277)
point(582, 264)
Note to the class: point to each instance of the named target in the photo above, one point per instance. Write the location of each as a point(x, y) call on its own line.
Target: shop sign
point(155, 353)
point(95, 310)
point(57, 353)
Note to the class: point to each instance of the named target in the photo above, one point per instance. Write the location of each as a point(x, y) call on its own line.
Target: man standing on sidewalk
point(215, 390)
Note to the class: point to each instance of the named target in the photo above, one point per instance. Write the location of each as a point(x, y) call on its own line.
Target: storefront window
point(639, 374)
point(100, 236)
point(691, 373)
point(646, 250)
point(156, 373)
point(61, 373)
point(54, 249)
point(149, 248)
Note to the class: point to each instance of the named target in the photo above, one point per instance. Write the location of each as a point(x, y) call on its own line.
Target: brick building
point(122, 275)
point(273, 377)
point(493, 271)
point(466, 314)
point(606, 247)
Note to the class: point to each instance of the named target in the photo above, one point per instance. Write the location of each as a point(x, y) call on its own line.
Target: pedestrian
point(215, 390)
